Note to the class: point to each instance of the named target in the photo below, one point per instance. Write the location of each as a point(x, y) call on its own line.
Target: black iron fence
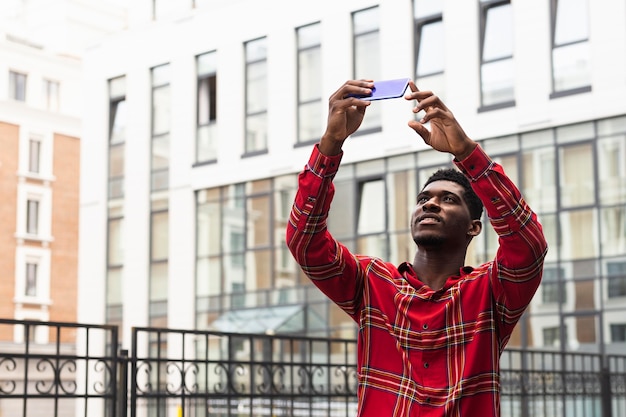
point(67, 369)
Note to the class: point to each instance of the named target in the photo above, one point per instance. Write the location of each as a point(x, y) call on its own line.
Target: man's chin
point(429, 241)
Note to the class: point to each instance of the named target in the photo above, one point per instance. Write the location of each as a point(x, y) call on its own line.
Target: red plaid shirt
point(423, 352)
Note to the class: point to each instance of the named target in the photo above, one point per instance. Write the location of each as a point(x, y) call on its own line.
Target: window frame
point(262, 112)
point(159, 177)
point(18, 85)
point(210, 78)
point(484, 7)
point(372, 123)
point(554, 4)
point(312, 101)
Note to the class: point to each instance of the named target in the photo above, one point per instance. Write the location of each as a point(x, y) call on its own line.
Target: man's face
point(441, 216)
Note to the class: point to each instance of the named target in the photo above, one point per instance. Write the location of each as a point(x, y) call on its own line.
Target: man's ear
point(475, 228)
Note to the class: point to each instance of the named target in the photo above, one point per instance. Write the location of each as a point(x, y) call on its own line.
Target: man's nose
point(431, 205)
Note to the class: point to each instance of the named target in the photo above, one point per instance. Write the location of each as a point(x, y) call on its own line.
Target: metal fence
point(185, 373)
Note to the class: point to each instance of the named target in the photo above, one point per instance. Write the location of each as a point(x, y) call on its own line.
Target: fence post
point(122, 392)
point(605, 391)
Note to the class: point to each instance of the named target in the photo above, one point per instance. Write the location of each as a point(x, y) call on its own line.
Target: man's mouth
point(429, 219)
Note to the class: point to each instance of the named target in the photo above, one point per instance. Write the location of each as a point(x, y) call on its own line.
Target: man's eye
point(422, 200)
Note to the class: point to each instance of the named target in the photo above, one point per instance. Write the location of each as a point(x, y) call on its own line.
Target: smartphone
point(387, 89)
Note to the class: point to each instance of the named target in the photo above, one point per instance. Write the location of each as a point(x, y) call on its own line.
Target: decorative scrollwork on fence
point(49, 377)
point(104, 384)
point(183, 377)
point(7, 386)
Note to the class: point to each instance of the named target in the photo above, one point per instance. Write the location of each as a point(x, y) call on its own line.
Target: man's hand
point(445, 135)
point(345, 114)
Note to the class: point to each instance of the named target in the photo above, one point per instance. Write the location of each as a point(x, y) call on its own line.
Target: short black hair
point(471, 199)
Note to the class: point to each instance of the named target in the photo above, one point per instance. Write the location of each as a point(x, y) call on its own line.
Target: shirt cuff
point(321, 165)
point(475, 165)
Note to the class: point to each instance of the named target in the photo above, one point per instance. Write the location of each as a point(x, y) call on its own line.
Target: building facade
point(200, 116)
point(40, 129)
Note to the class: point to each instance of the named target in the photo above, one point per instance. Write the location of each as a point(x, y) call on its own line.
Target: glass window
point(366, 49)
point(30, 289)
point(581, 333)
point(429, 45)
point(160, 236)
point(259, 218)
point(372, 207)
point(118, 111)
point(552, 289)
point(430, 49)
point(17, 86)
point(206, 136)
point(34, 154)
point(118, 125)
point(32, 217)
point(618, 332)
point(158, 284)
point(51, 94)
point(401, 192)
point(116, 242)
point(577, 185)
point(551, 336)
point(578, 234)
point(616, 277)
point(309, 83)
point(114, 287)
point(613, 223)
point(497, 72)
point(612, 169)
point(161, 112)
point(117, 136)
point(538, 184)
point(341, 217)
point(256, 95)
point(570, 48)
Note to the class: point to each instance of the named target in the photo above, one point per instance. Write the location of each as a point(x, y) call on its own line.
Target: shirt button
point(426, 365)
point(425, 326)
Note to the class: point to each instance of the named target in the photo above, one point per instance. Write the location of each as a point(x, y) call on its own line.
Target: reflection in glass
point(372, 207)
point(570, 65)
point(256, 133)
point(579, 234)
point(373, 245)
point(612, 169)
point(497, 82)
point(539, 182)
point(570, 53)
point(430, 58)
point(258, 217)
point(613, 230)
point(577, 175)
point(582, 333)
point(367, 56)
point(572, 21)
point(497, 71)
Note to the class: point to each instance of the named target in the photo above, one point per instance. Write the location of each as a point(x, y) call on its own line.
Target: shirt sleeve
point(328, 263)
point(518, 266)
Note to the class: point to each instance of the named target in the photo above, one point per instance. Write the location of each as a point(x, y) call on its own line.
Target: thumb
point(420, 129)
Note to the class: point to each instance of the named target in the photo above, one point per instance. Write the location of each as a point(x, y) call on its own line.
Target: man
point(430, 332)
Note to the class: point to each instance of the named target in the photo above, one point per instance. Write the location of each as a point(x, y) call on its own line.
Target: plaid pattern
point(422, 352)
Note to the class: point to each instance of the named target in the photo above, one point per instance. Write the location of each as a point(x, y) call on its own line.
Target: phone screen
point(387, 89)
